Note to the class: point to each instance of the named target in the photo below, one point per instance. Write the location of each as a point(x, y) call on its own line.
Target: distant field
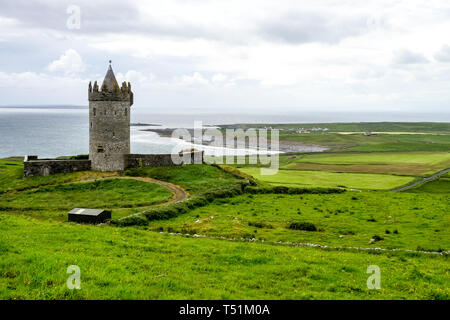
point(362, 126)
point(407, 163)
point(403, 220)
point(303, 178)
point(376, 143)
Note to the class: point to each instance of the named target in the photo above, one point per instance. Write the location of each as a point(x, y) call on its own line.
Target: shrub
point(260, 225)
point(130, 221)
point(377, 238)
point(80, 157)
point(305, 226)
point(237, 173)
point(290, 190)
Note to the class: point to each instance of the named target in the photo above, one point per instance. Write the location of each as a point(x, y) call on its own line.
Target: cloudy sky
point(233, 55)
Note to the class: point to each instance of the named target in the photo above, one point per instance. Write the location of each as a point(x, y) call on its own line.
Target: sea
point(62, 131)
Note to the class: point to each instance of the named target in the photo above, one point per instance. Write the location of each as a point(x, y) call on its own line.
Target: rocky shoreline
point(284, 146)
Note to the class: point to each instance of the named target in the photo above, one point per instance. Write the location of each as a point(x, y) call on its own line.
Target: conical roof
point(110, 79)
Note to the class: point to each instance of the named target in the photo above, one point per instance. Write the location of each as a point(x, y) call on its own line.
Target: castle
point(109, 136)
point(109, 123)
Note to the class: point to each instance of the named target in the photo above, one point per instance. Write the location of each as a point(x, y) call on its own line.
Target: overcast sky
point(231, 56)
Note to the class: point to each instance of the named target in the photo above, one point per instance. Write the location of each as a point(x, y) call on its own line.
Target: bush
point(80, 157)
point(305, 226)
point(130, 221)
point(260, 225)
point(237, 173)
point(290, 190)
point(377, 238)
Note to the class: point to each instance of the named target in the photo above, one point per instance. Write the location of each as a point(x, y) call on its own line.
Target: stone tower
point(109, 123)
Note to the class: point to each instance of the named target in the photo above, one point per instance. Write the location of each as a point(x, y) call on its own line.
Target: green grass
point(196, 179)
point(56, 201)
point(36, 245)
point(347, 219)
point(379, 158)
point(376, 143)
point(303, 178)
point(11, 177)
point(132, 263)
point(441, 185)
point(406, 163)
point(363, 126)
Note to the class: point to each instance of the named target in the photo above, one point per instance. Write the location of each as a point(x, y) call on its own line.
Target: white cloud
point(409, 57)
point(285, 53)
point(195, 79)
point(444, 54)
point(69, 63)
point(135, 77)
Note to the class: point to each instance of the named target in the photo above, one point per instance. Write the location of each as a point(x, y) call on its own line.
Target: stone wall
point(109, 134)
point(45, 167)
point(157, 160)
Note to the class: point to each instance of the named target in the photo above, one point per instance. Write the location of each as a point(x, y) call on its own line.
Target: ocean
point(53, 132)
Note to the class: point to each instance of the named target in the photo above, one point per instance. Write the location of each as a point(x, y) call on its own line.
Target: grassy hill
point(230, 240)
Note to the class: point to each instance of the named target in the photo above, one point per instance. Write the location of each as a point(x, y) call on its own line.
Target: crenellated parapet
point(115, 93)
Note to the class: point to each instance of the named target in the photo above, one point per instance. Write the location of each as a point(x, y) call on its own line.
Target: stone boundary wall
point(42, 167)
point(158, 160)
point(45, 167)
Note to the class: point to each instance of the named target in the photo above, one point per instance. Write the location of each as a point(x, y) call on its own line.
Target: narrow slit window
point(100, 149)
point(95, 112)
point(126, 111)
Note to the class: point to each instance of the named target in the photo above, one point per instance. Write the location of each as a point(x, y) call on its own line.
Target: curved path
point(179, 194)
point(415, 184)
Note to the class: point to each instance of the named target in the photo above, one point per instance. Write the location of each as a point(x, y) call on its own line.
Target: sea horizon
point(63, 131)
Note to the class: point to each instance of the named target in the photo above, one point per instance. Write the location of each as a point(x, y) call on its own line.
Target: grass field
point(405, 163)
point(196, 179)
point(303, 178)
point(131, 263)
point(53, 196)
point(56, 201)
point(404, 220)
point(432, 127)
point(441, 185)
point(147, 262)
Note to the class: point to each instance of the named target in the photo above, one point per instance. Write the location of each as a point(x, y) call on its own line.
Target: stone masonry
point(109, 123)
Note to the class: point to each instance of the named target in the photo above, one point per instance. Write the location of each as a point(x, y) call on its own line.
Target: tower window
point(126, 111)
point(114, 134)
point(95, 112)
point(100, 149)
point(91, 124)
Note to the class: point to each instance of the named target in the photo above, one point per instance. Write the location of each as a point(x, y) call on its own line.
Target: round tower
point(109, 123)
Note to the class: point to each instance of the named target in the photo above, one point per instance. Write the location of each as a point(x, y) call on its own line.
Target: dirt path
point(179, 194)
point(424, 180)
